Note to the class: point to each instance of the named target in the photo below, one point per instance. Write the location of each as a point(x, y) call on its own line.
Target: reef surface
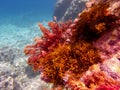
point(68, 9)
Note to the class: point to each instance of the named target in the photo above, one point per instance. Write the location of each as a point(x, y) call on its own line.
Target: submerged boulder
point(68, 9)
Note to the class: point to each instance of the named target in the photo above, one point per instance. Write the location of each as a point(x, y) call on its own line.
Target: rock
point(36, 84)
point(9, 54)
point(7, 77)
point(8, 83)
point(15, 74)
point(30, 73)
point(61, 7)
point(68, 9)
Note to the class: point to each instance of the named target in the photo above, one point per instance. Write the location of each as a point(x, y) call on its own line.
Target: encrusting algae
point(68, 46)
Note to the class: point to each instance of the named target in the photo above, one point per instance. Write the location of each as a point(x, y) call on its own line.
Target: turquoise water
point(19, 18)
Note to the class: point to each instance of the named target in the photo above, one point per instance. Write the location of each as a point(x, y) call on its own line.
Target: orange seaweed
point(76, 58)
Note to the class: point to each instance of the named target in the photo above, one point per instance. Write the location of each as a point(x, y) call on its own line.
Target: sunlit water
point(19, 18)
point(18, 27)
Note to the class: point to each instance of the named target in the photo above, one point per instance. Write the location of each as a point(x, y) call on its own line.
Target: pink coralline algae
point(83, 54)
point(104, 87)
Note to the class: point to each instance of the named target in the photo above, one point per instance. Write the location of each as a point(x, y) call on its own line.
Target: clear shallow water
point(19, 18)
point(18, 27)
point(15, 36)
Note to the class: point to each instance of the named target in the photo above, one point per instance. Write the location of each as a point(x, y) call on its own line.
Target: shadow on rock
point(30, 73)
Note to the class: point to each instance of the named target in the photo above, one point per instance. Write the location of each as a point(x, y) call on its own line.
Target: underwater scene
point(60, 45)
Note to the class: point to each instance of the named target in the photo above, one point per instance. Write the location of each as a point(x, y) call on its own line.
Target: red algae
point(76, 59)
point(50, 39)
point(70, 54)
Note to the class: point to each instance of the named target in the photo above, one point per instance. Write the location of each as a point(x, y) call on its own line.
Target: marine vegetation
point(66, 52)
point(92, 23)
point(75, 58)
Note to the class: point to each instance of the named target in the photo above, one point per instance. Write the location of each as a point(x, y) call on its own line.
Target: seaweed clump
point(74, 58)
point(92, 23)
point(68, 46)
point(56, 34)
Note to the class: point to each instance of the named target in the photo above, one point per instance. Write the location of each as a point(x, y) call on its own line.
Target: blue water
point(19, 18)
